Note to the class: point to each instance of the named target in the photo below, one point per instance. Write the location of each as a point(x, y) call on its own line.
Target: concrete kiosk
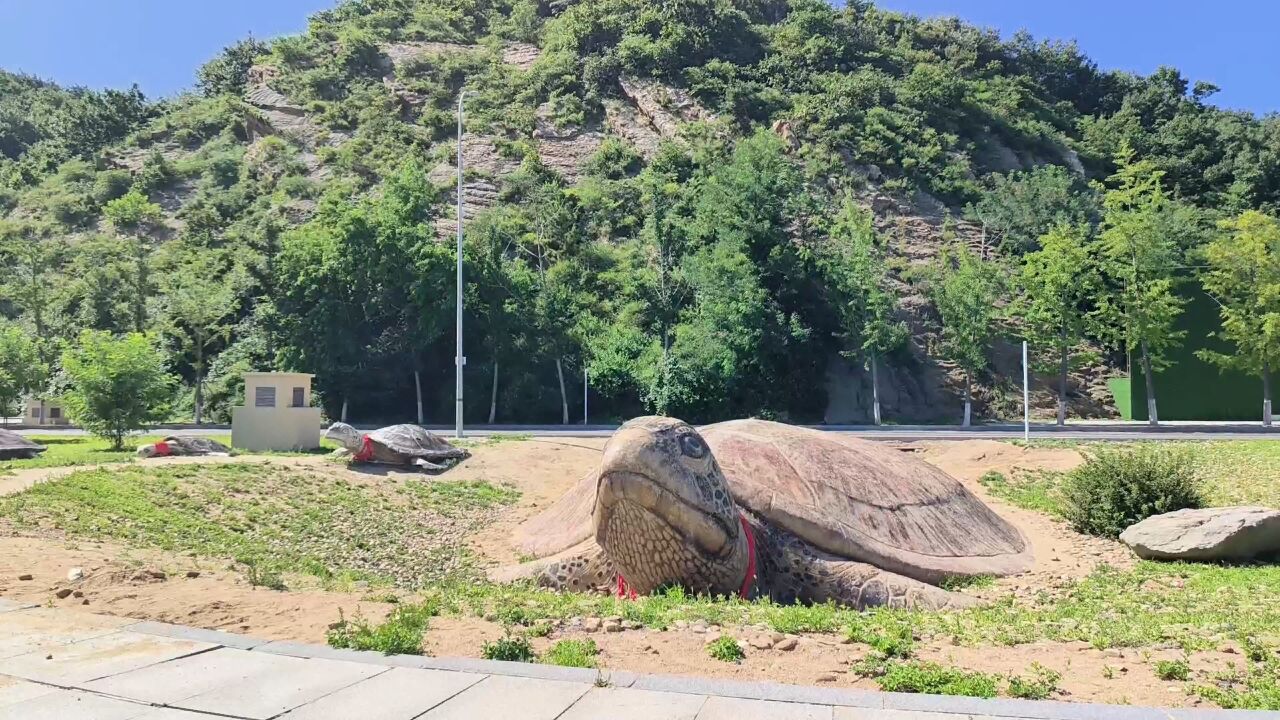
point(277, 414)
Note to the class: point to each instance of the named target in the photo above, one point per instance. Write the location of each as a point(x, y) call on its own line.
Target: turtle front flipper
point(582, 567)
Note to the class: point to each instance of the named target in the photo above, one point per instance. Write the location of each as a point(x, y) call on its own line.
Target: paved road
point(58, 664)
point(1076, 431)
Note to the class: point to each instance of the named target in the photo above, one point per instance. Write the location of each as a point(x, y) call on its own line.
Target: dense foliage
point(1116, 488)
point(718, 273)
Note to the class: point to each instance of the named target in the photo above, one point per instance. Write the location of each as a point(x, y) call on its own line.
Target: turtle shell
point(865, 501)
point(416, 442)
point(15, 447)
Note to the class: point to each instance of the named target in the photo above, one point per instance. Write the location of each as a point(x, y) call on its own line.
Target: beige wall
point(279, 429)
point(32, 415)
point(281, 425)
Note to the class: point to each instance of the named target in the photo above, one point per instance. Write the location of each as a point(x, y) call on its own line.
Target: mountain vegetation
point(703, 208)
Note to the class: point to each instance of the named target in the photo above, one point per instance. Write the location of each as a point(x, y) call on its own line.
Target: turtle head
point(345, 435)
point(663, 510)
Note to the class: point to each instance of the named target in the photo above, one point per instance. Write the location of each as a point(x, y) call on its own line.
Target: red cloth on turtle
point(162, 449)
point(366, 450)
point(626, 593)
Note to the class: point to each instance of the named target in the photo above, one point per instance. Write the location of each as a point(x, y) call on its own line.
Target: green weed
point(726, 649)
point(511, 648)
point(914, 676)
point(1173, 669)
point(572, 653)
point(1040, 685)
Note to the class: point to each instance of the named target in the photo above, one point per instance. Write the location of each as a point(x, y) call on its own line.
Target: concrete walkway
point(65, 665)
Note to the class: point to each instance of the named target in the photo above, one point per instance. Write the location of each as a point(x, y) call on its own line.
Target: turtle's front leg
point(800, 571)
point(582, 567)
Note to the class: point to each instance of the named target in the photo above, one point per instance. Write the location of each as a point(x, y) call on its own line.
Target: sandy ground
point(208, 593)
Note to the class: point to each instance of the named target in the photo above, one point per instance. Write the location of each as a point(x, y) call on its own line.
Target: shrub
point(118, 385)
point(1173, 669)
point(510, 648)
point(1042, 684)
point(726, 649)
point(400, 634)
point(935, 679)
point(890, 642)
point(1116, 488)
point(572, 653)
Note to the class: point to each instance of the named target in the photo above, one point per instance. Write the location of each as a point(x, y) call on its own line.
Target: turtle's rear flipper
point(428, 465)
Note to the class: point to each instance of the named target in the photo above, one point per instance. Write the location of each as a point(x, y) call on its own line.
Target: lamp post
point(459, 359)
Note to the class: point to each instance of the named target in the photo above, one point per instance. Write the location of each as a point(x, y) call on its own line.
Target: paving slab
point(24, 631)
point(14, 691)
point(183, 632)
point(506, 697)
point(169, 682)
point(72, 705)
point(627, 704)
point(725, 708)
point(10, 605)
point(265, 695)
point(98, 657)
point(398, 694)
point(868, 714)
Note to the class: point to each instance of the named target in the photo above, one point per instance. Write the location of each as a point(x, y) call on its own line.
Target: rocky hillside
point(647, 186)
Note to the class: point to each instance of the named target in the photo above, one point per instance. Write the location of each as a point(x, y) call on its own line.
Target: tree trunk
point(968, 398)
point(344, 410)
point(1153, 418)
point(493, 395)
point(875, 390)
point(417, 387)
point(1062, 379)
point(43, 412)
point(1266, 395)
point(564, 399)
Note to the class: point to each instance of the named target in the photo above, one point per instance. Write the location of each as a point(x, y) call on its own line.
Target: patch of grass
point(450, 497)
point(1041, 684)
point(891, 640)
point(491, 440)
point(1173, 669)
point(1239, 472)
point(960, 582)
point(1254, 687)
point(280, 519)
point(511, 648)
point(400, 634)
point(1030, 489)
point(78, 451)
point(726, 649)
point(572, 653)
point(914, 676)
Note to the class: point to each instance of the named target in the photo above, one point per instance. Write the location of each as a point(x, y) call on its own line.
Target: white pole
point(1026, 396)
point(459, 359)
point(584, 394)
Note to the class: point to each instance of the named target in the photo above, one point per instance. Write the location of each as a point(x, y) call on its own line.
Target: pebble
point(631, 625)
point(84, 601)
point(787, 645)
point(591, 624)
point(699, 626)
point(161, 575)
point(612, 626)
point(78, 594)
point(760, 642)
point(26, 577)
point(711, 638)
point(75, 574)
point(193, 573)
point(63, 593)
point(826, 678)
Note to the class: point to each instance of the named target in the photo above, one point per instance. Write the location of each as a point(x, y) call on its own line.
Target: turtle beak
point(637, 468)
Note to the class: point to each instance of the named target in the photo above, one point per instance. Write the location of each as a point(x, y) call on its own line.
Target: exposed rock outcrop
point(1226, 533)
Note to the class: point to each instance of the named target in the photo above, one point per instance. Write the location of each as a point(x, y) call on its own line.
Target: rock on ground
point(1227, 533)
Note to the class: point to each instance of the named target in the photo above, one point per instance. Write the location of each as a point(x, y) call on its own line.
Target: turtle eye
point(693, 446)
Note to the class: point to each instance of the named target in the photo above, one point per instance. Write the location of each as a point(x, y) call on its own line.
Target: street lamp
point(459, 359)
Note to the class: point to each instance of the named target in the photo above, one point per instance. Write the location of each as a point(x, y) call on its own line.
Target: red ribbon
point(162, 449)
point(366, 450)
point(626, 593)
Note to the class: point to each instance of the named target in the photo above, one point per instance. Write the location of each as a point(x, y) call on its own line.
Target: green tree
point(1056, 286)
point(116, 385)
point(1019, 208)
point(854, 261)
point(133, 216)
point(21, 370)
point(228, 73)
point(199, 300)
point(1243, 276)
point(964, 290)
point(1139, 259)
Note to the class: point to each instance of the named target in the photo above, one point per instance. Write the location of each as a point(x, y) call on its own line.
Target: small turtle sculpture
point(15, 447)
point(177, 446)
point(408, 445)
point(761, 509)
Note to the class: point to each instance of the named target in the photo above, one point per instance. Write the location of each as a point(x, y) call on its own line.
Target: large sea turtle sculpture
point(179, 446)
point(407, 445)
point(15, 447)
point(762, 509)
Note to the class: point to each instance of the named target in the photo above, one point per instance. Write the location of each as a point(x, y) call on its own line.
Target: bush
point(1042, 684)
point(401, 634)
point(572, 653)
point(1173, 669)
point(509, 648)
point(726, 649)
point(1116, 488)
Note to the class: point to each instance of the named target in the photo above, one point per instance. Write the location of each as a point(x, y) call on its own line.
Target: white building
point(51, 414)
point(277, 414)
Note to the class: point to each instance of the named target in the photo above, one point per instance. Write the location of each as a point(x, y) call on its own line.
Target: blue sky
point(158, 44)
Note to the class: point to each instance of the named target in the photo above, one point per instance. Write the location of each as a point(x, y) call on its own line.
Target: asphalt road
point(1109, 431)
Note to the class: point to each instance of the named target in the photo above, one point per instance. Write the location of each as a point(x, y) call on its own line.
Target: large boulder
point(1225, 533)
